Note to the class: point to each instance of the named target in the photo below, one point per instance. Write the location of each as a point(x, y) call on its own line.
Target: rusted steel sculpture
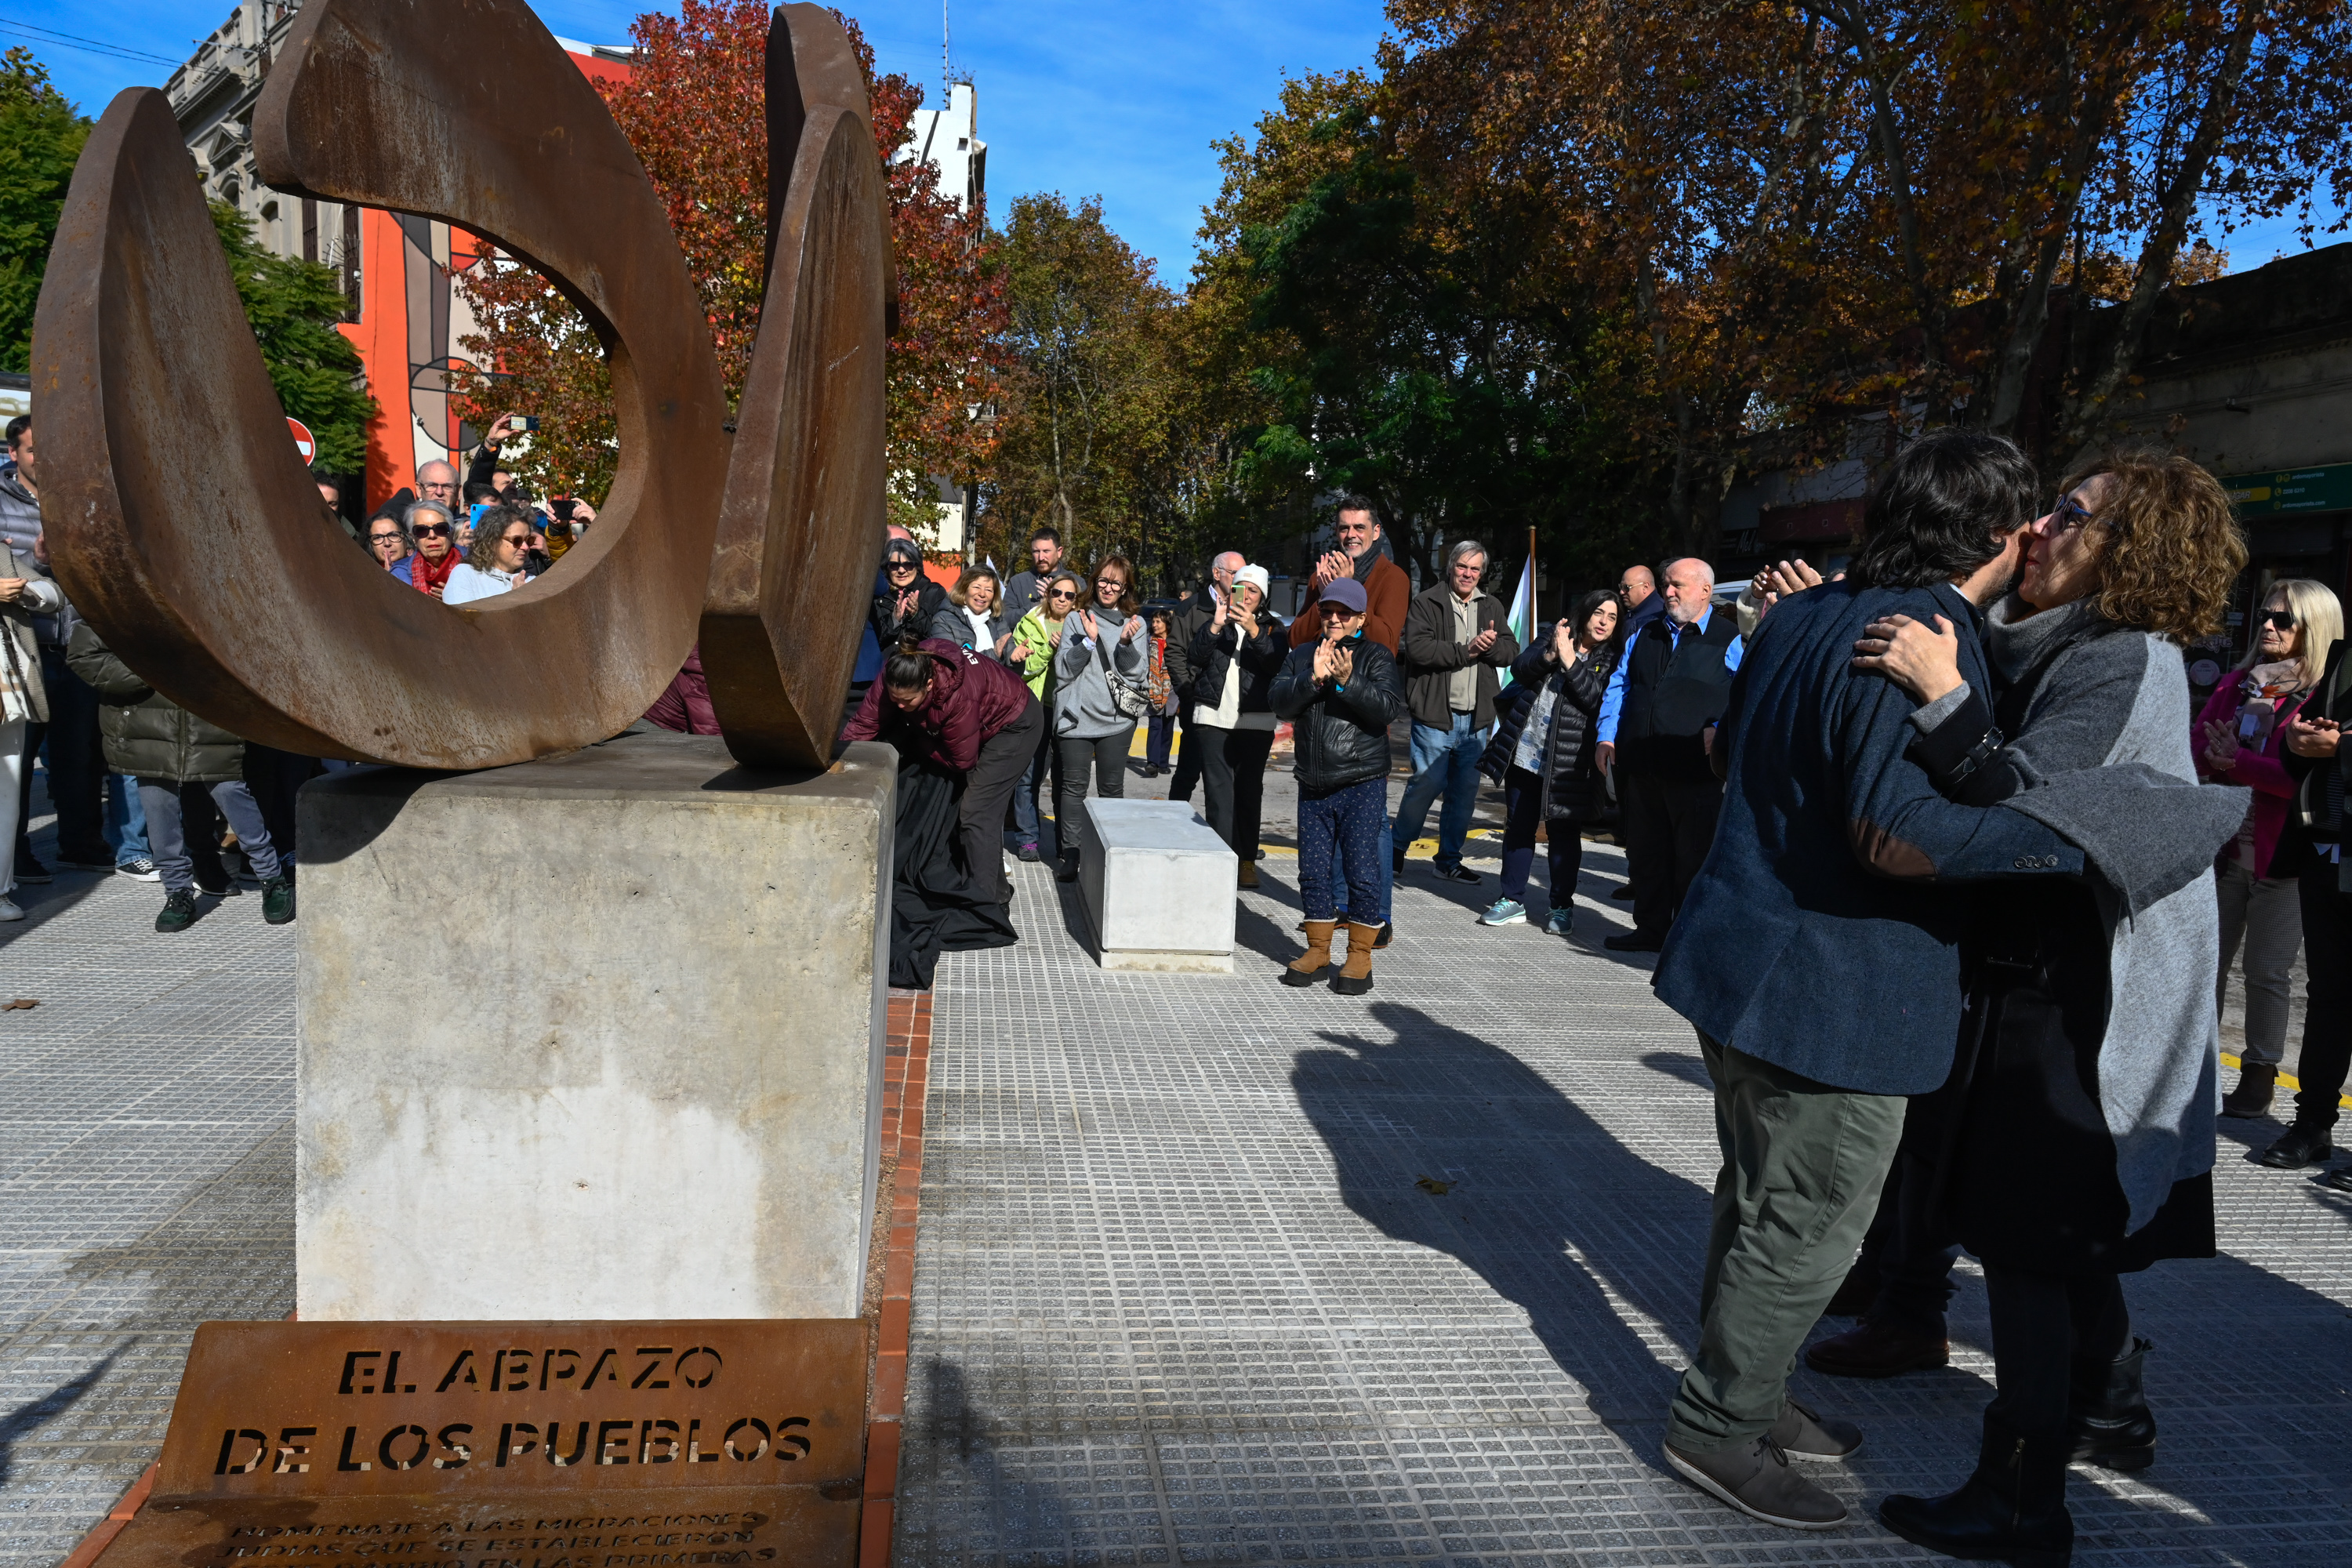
point(800, 529)
point(187, 531)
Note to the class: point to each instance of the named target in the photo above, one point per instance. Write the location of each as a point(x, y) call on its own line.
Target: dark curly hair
point(2170, 549)
point(1943, 508)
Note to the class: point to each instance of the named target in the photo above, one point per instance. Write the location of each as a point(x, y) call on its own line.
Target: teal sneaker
point(1505, 912)
point(1560, 920)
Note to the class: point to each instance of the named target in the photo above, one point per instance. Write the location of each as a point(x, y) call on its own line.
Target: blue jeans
point(1042, 774)
point(126, 820)
point(1444, 760)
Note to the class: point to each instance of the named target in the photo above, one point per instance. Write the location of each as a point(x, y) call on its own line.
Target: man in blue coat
point(1817, 953)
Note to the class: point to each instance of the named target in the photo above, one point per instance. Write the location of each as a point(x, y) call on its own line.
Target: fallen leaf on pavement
point(1432, 1185)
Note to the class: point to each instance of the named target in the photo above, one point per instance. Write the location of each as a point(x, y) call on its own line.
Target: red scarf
point(424, 576)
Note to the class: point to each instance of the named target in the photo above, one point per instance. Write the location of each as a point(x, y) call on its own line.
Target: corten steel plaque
point(512, 1444)
point(188, 533)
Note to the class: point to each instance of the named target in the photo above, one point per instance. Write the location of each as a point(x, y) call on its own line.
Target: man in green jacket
point(167, 748)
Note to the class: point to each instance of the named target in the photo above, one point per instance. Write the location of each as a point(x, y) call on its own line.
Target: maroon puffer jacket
point(972, 697)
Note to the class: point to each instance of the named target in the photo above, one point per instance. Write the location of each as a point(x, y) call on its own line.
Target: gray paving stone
point(1179, 1299)
point(146, 1180)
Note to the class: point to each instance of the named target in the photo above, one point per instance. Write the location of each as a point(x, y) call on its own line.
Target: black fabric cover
point(934, 906)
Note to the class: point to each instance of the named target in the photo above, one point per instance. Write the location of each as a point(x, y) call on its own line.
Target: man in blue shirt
point(1664, 696)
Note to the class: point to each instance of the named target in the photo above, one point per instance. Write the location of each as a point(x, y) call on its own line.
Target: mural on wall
point(432, 256)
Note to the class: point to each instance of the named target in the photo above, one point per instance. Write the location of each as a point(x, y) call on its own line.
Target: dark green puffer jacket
point(147, 734)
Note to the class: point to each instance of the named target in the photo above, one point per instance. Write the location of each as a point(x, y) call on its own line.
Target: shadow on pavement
point(32, 1415)
point(1550, 1210)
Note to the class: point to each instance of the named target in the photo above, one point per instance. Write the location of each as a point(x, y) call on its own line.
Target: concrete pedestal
point(595, 1036)
point(1159, 886)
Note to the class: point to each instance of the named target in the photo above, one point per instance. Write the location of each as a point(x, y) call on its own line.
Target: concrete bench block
point(1159, 887)
point(596, 1037)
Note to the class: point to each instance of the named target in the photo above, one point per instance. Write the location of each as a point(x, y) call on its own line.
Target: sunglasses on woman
point(1062, 594)
point(2069, 514)
point(431, 530)
point(2282, 619)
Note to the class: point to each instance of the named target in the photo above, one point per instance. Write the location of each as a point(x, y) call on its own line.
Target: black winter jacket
point(146, 734)
point(883, 614)
point(1190, 619)
point(1572, 778)
point(1340, 732)
point(1212, 655)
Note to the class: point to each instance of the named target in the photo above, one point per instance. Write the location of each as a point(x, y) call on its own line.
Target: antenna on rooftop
point(947, 65)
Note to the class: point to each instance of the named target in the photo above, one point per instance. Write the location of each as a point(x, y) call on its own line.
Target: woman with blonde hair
point(2241, 737)
point(1035, 640)
point(2075, 1141)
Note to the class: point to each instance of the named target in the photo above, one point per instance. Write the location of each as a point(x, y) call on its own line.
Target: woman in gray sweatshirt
point(1090, 732)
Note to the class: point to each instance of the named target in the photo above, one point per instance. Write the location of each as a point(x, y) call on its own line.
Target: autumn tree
point(692, 106)
point(2011, 144)
point(1083, 424)
point(41, 137)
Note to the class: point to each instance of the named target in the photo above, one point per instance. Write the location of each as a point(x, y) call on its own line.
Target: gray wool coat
point(2104, 758)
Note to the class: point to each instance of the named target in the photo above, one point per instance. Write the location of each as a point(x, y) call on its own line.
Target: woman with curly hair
point(2075, 1141)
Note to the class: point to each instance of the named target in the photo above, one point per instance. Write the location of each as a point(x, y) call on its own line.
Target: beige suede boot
point(1308, 966)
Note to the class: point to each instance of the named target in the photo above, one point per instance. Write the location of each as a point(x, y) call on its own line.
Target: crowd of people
point(1960, 787)
point(146, 789)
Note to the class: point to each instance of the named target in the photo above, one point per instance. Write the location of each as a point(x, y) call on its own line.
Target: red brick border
point(102, 1534)
point(905, 1073)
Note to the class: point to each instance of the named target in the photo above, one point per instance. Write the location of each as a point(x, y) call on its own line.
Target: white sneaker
point(9, 912)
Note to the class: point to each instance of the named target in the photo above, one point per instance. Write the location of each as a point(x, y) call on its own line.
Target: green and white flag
point(1523, 604)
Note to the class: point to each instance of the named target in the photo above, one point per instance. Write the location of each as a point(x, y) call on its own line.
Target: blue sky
point(1103, 98)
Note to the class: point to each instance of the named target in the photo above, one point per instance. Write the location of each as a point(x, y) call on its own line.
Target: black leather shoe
point(2295, 1148)
point(2012, 1509)
point(2107, 1414)
point(1621, 894)
point(1635, 942)
point(1067, 871)
point(2257, 1082)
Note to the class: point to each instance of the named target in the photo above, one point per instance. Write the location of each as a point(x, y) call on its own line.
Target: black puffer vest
point(1671, 693)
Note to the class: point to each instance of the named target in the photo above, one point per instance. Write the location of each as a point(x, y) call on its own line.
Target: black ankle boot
point(2108, 1414)
point(2012, 1509)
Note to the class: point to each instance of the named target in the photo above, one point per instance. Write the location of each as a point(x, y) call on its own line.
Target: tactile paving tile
point(146, 1179)
point(1179, 1298)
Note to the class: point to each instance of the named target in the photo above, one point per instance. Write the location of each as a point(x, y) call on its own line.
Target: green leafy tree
point(41, 137)
point(1082, 438)
point(293, 307)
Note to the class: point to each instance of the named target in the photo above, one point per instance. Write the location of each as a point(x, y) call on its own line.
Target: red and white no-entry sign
point(302, 441)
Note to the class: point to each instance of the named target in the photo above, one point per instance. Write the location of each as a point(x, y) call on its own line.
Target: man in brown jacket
point(1387, 589)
